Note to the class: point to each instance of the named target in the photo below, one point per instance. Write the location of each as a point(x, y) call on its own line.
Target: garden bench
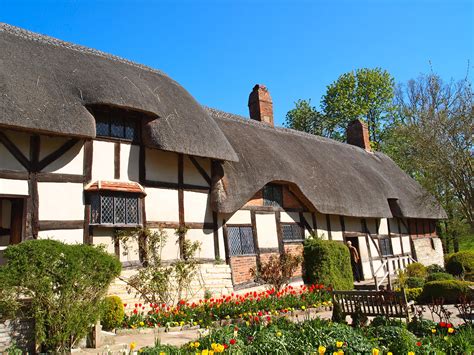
point(374, 303)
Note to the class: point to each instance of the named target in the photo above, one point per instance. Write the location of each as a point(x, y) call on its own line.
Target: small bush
point(415, 282)
point(278, 270)
point(112, 312)
point(413, 294)
point(416, 270)
point(439, 276)
point(397, 339)
point(328, 262)
point(65, 284)
point(449, 290)
point(434, 268)
point(421, 327)
point(460, 263)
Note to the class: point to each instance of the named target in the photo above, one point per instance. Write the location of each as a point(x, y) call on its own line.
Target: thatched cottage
point(91, 143)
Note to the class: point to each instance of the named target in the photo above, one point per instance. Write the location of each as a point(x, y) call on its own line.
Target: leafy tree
point(365, 94)
point(430, 139)
point(305, 117)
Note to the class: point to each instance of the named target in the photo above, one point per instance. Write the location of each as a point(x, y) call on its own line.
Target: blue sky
point(219, 49)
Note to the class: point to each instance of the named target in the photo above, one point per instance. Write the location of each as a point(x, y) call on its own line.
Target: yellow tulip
point(133, 345)
point(411, 353)
point(196, 344)
point(450, 330)
point(389, 353)
point(339, 344)
point(205, 352)
point(433, 330)
point(375, 351)
point(303, 308)
point(278, 334)
point(321, 350)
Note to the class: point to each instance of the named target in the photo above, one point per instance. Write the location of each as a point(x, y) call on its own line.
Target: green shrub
point(421, 327)
point(112, 312)
point(439, 276)
point(65, 285)
point(415, 282)
point(434, 268)
point(416, 270)
point(328, 262)
point(413, 294)
point(449, 290)
point(396, 339)
point(460, 263)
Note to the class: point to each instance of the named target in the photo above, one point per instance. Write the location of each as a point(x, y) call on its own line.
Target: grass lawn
point(466, 242)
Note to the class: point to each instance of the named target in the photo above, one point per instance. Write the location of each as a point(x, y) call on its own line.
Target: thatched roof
point(336, 178)
point(45, 85)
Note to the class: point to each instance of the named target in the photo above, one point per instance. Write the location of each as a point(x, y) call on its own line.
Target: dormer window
point(273, 195)
point(115, 123)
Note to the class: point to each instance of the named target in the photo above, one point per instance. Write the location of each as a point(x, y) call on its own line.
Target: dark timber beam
point(12, 148)
point(43, 163)
point(201, 170)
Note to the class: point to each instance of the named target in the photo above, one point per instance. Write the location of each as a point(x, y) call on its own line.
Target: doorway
point(11, 223)
point(355, 244)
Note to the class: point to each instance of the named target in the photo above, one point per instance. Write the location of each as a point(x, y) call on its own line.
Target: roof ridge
point(246, 120)
point(44, 39)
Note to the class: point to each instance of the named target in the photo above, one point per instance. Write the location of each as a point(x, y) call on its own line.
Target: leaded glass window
point(116, 124)
point(240, 240)
point(273, 195)
point(292, 231)
point(385, 246)
point(115, 209)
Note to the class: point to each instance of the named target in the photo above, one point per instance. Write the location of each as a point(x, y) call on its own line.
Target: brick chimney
point(261, 105)
point(358, 134)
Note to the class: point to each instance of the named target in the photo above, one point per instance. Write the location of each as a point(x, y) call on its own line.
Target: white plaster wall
point(104, 237)
point(129, 158)
point(162, 205)
point(49, 144)
point(239, 217)
point(396, 246)
point(220, 236)
point(170, 250)
point(68, 236)
point(72, 162)
point(383, 227)
point(406, 244)
point(21, 140)
point(6, 210)
point(197, 207)
point(129, 251)
point(336, 229)
point(161, 165)
point(8, 161)
point(206, 239)
point(14, 187)
point(364, 256)
point(103, 160)
point(266, 230)
point(352, 224)
point(289, 217)
point(309, 219)
point(322, 225)
point(372, 244)
point(60, 201)
point(192, 175)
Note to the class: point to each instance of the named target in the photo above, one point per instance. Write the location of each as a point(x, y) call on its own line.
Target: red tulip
point(232, 341)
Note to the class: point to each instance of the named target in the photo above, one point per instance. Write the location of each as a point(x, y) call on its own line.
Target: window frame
point(382, 241)
point(293, 225)
point(107, 115)
point(115, 195)
point(240, 226)
point(267, 198)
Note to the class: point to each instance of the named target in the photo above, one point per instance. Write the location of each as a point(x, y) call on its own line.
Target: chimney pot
point(358, 135)
point(261, 105)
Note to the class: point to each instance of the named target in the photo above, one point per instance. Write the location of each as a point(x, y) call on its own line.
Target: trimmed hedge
point(449, 290)
point(415, 282)
point(112, 312)
point(328, 262)
point(460, 263)
point(439, 276)
point(413, 294)
point(416, 270)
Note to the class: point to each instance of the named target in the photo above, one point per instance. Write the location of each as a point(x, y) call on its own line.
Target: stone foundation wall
point(19, 333)
point(241, 266)
point(428, 251)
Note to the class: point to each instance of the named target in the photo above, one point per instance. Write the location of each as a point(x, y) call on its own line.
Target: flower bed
point(324, 337)
point(247, 307)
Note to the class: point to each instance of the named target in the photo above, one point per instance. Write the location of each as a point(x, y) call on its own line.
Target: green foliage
point(449, 290)
point(469, 276)
point(421, 327)
point(416, 270)
point(364, 94)
point(434, 268)
point(399, 340)
point(460, 263)
point(64, 283)
point(328, 262)
point(112, 312)
point(413, 294)
point(386, 321)
point(156, 282)
point(278, 270)
point(305, 117)
point(439, 276)
point(415, 282)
